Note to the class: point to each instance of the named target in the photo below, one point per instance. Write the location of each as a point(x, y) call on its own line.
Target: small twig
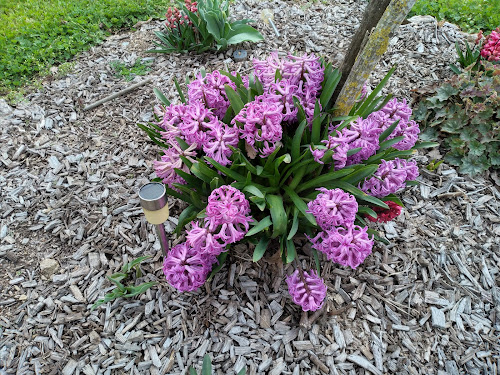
point(117, 94)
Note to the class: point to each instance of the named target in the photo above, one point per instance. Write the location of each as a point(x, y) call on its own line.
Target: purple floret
point(347, 246)
point(390, 177)
point(186, 268)
point(307, 289)
point(333, 208)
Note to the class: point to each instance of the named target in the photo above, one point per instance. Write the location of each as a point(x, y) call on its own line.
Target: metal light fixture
point(153, 198)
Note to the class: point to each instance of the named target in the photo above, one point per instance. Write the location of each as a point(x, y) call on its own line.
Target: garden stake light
point(267, 16)
point(154, 204)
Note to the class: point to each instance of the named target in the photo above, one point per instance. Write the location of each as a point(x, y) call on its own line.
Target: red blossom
point(385, 215)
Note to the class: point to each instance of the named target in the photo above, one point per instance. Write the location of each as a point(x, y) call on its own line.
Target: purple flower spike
point(397, 110)
point(185, 268)
point(171, 160)
point(307, 289)
point(332, 208)
point(220, 137)
point(261, 125)
point(346, 246)
point(202, 238)
point(227, 214)
point(210, 91)
point(390, 177)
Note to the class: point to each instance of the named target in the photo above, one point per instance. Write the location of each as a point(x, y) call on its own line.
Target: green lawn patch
point(470, 15)
point(35, 35)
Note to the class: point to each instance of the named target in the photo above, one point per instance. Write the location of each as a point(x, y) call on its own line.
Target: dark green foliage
point(465, 114)
point(35, 35)
point(125, 291)
point(470, 15)
point(210, 28)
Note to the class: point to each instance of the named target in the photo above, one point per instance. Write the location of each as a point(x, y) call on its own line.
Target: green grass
point(37, 34)
point(139, 68)
point(470, 15)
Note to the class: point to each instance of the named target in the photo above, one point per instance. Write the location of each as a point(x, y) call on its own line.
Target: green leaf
point(136, 290)
point(291, 252)
point(387, 132)
point(476, 148)
point(243, 33)
point(446, 91)
point(426, 145)
point(128, 266)
point(178, 87)
point(260, 226)
point(389, 143)
point(295, 223)
point(192, 371)
point(228, 172)
point(254, 190)
point(367, 210)
point(453, 125)
point(207, 365)
point(369, 100)
point(300, 204)
point(316, 124)
point(360, 174)
point(161, 97)
point(327, 177)
point(395, 199)
point(186, 216)
point(316, 261)
point(260, 249)
point(278, 214)
point(296, 140)
point(243, 371)
point(234, 99)
point(329, 88)
point(473, 164)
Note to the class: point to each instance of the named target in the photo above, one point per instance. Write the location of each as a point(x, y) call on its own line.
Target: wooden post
point(371, 54)
point(373, 12)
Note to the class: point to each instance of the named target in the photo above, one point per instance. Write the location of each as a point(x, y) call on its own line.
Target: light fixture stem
point(162, 236)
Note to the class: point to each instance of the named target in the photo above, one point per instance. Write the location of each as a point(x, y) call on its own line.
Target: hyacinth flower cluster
point(175, 19)
point(491, 46)
point(262, 159)
point(227, 220)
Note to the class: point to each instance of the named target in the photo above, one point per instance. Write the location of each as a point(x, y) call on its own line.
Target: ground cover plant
point(470, 15)
point(35, 35)
point(261, 159)
point(464, 114)
point(202, 26)
point(129, 72)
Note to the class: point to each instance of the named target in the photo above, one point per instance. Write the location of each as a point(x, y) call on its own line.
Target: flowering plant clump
point(487, 48)
point(200, 26)
point(263, 158)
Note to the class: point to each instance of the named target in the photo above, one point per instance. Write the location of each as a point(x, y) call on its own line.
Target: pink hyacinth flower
point(185, 268)
point(307, 289)
point(333, 208)
point(347, 246)
point(228, 214)
point(390, 177)
point(165, 167)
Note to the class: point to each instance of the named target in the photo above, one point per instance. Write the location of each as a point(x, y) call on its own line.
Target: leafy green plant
point(470, 15)
point(464, 114)
point(139, 68)
point(37, 34)
point(471, 56)
point(257, 167)
point(125, 291)
point(201, 27)
point(207, 368)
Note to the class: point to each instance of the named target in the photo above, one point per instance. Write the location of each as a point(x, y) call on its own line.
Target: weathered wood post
point(370, 53)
